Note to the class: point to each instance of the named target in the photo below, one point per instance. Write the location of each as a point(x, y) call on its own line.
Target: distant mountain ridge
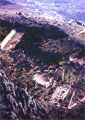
point(69, 9)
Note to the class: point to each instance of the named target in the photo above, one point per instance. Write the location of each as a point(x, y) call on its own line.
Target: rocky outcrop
point(17, 104)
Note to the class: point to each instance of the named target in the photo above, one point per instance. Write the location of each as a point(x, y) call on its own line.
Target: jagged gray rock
point(17, 104)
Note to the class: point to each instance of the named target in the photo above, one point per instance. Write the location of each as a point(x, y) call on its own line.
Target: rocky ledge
point(17, 104)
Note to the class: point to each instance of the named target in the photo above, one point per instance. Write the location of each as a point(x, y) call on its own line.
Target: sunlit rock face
point(41, 79)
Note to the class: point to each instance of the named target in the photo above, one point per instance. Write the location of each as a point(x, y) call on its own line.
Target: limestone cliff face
point(17, 104)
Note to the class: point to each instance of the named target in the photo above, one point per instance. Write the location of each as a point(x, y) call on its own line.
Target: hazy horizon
point(68, 9)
